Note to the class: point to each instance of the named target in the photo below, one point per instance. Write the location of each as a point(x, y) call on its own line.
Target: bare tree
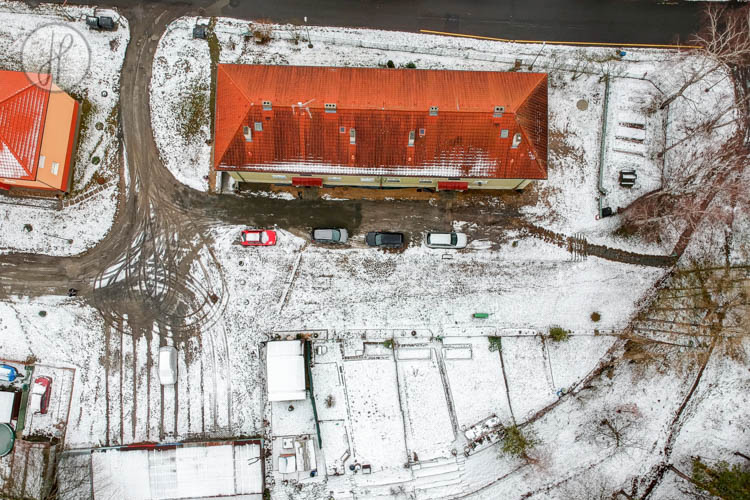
point(615, 427)
point(724, 42)
point(725, 36)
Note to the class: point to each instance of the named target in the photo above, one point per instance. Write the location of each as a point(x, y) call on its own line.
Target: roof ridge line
point(232, 80)
point(532, 145)
point(15, 155)
point(22, 89)
point(531, 92)
point(216, 90)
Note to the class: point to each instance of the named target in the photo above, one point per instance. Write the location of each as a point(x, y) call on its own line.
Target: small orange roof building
point(389, 127)
point(38, 128)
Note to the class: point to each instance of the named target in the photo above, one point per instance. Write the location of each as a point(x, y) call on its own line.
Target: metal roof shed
point(285, 370)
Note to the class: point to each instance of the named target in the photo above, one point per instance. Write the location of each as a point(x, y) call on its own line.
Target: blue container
point(8, 373)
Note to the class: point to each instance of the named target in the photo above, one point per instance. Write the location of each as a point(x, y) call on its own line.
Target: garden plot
point(376, 419)
point(575, 358)
point(528, 376)
point(90, 72)
point(52, 423)
point(330, 400)
point(429, 432)
point(292, 418)
point(635, 134)
point(477, 384)
point(336, 449)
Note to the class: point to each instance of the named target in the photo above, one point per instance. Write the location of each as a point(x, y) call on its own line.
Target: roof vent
point(433, 110)
point(498, 112)
point(266, 105)
point(330, 107)
point(248, 133)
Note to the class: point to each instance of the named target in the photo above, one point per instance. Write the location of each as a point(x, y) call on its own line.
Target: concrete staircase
point(439, 477)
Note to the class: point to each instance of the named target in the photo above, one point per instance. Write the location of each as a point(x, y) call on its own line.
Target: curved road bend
point(142, 267)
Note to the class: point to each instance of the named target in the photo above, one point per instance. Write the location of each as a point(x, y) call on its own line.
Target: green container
point(482, 315)
point(7, 438)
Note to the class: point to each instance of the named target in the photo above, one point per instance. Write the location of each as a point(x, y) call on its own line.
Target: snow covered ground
point(91, 74)
point(386, 409)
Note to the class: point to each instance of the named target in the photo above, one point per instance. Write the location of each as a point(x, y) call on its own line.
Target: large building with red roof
point(38, 129)
point(314, 126)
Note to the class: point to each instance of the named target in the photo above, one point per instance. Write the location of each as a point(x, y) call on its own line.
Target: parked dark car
point(385, 240)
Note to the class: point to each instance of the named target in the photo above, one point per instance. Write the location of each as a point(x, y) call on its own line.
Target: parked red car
point(40, 392)
point(258, 238)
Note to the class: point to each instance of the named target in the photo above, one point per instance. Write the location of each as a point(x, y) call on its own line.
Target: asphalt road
point(595, 21)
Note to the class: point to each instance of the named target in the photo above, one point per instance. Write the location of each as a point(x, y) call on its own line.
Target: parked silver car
point(167, 365)
point(324, 235)
point(446, 240)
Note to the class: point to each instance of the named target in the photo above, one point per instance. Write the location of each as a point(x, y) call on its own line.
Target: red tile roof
point(23, 107)
point(382, 106)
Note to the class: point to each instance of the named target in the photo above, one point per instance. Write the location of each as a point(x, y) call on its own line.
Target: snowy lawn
point(528, 375)
point(93, 78)
point(477, 385)
point(572, 360)
point(377, 424)
point(429, 432)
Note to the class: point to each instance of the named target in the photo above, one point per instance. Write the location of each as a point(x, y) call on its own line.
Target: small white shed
point(285, 370)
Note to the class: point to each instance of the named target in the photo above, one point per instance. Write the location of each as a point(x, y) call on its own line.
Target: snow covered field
point(91, 74)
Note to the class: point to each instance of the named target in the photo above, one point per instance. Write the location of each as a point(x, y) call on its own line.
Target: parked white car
point(167, 365)
point(446, 240)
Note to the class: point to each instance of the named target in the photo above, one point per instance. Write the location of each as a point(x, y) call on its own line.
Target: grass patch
point(214, 52)
point(495, 343)
point(113, 119)
point(193, 109)
point(558, 334)
point(87, 109)
point(516, 443)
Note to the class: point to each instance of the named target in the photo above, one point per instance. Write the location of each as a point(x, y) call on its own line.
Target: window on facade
point(411, 138)
point(516, 140)
point(352, 136)
point(247, 133)
point(258, 126)
point(422, 132)
point(504, 133)
point(55, 166)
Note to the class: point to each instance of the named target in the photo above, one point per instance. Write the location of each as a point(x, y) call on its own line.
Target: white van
point(446, 240)
point(167, 365)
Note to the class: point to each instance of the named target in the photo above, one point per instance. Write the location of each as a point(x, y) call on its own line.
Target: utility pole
point(309, 42)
